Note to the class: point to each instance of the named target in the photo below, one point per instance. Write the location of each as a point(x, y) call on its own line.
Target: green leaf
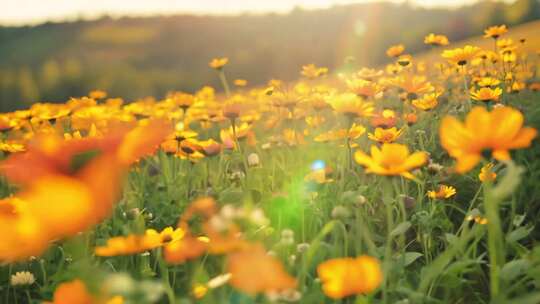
point(509, 182)
point(410, 257)
point(450, 238)
point(231, 195)
point(513, 269)
point(400, 229)
point(518, 234)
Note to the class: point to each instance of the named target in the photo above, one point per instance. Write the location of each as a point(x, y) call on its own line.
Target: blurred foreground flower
point(253, 271)
point(348, 276)
point(489, 134)
point(67, 186)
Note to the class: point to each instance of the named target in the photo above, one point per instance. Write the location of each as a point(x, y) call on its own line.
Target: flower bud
point(253, 160)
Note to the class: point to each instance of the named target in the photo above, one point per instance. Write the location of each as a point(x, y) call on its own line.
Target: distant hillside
point(137, 57)
point(529, 31)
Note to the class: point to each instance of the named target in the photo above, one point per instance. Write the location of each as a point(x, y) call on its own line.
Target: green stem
point(387, 194)
point(224, 82)
point(164, 271)
point(495, 239)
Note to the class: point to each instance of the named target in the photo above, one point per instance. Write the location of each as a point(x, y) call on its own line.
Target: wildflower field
point(412, 183)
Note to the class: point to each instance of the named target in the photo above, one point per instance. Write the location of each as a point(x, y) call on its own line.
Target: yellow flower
point(488, 82)
point(427, 102)
point(235, 106)
point(351, 105)
point(364, 88)
point(517, 87)
point(130, 244)
point(240, 82)
point(443, 192)
point(385, 135)
point(167, 235)
point(486, 173)
point(391, 159)
point(218, 63)
point(505, 44)
point(461, 56)
point(349, 276)
point(12, 147)
point(180, 99)
point(395, 50)
point(311, 71)
point(433, 39)
point(97, 94)
point(494, 132)
point(486, 94)
point(356, 131)
point(404, 60)
point(495, 31)
point(199, 291)
point(413, 85)
point(318, 176)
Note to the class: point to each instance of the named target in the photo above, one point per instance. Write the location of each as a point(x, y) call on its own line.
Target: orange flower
point(348, 276)
point(386, 119)
point(433, 39)
point(385, 135)
point(364, 88)
point(395, 50)
point(128, 245)
point(443, 192)
point(486, 94)
point(240, 82)
point(391, 159)
point(461, 56)
point(486, 173)
point(427, 102)
point(413, 85)
point(97, 94)
point(210, 147)
point(133, 244)
point(75, 292)
point(187, 248)
point(311, 71)
point(72, 292)
point(494, 132)
point(218, 63)
point(410, 118)
point(23, 236)
point(495, 31)
point(68, 186)
point(351, 105)
point(253, 271)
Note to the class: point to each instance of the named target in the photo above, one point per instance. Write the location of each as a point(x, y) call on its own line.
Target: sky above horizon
point(20, 12)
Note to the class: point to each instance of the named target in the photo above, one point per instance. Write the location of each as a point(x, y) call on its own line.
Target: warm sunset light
point(34, 11)
point(269, 152)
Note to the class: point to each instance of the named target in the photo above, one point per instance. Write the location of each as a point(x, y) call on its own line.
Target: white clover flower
point(288, 295)
point(258, 218)
point(302, 247)
point(120, 283)
point(253, 160)
point(228, 212)
point(22, 278)
point(218, 281)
